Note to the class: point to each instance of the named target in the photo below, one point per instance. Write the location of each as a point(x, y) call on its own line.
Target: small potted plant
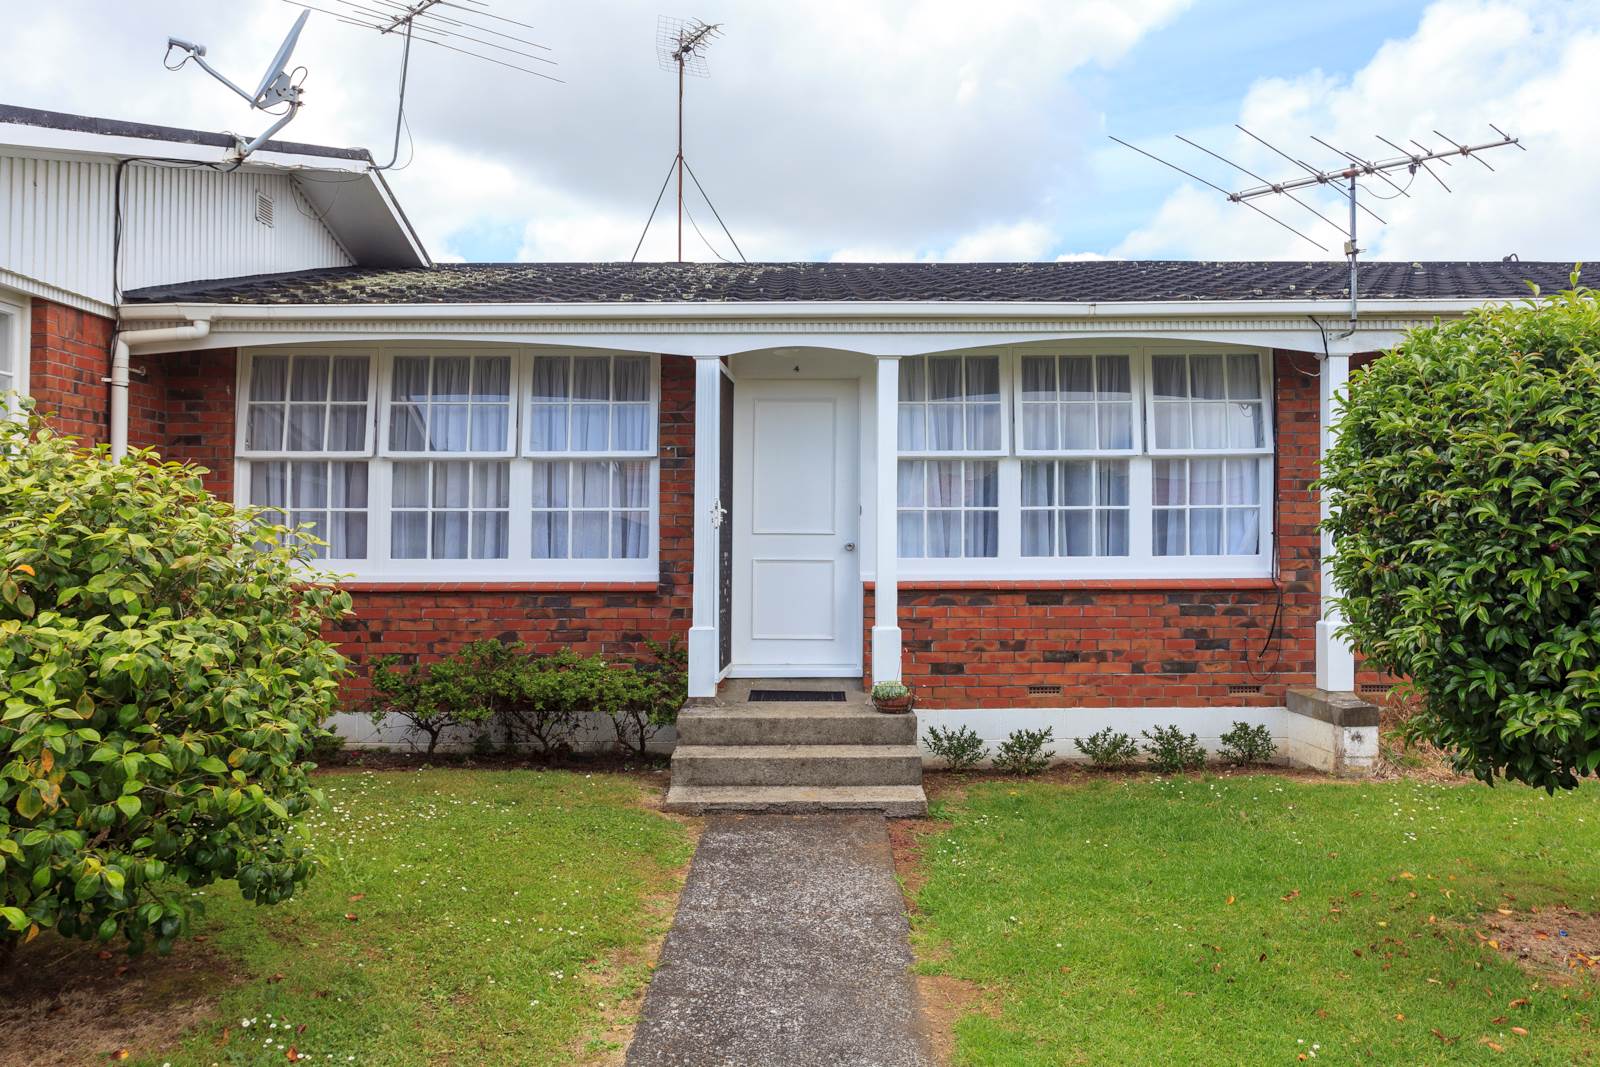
point(892, 698)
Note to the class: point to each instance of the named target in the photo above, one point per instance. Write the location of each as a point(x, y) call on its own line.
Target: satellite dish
point(276, 80)
point(277, 86)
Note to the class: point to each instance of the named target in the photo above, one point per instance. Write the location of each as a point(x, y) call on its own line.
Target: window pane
point(983, 427)
point(451, 484)
point(630, 535)
point(1077, 427)
point(911, 436)
point(347, 428)
point(550, 535)
point(264, 428)
point(590, 535)
point(944, 534)
point(410, 379)
point(1210, 425)
point(630, 427)
point(1170, 376)
point(491, 485)
point(450, 530)
point(1077, 483)
point(1244, 481)
point(1038, 484)
point(1039, 426)
point(944, 378)
point(309, 380)
point(944, 484)
point(1038, 378)
point(1077, 378)
point(306, 427)
point(347, 535)
point(1116, 426)
point(490, 424)
point(492, 378)
point(589, 427)
point(591, 485)
point(982, 485)
point(1036, 533)
point(408, 535)
point(1205, 531)
point(348, 486)
point(269, 485)
point(630, 485)
point(632, 377)
point(311, 527)
point(447, 428)
point(452, 378)
point(591, 378)
point(1245, 425)
point(1112, 483)
point(1077, 533)
point(910, 477)
point(269, 378)
point(550, 485)
point(548, 431)
point(1205, 481)
point(308, 485)
point(1168, 478)
point(983, 377)
point(1244, 531)
point(1172, 425)
point(910, 535)
point(407, 431)
point(1112, 533)
point(983, 534)
point(944, 426)
point(410, 485)
point(490, 534)
point(1115, 381)
point(1244, 377)
point(550, 377)
point(350, 379)
point(1206, 379)
point(913, 378)
point(1167, 532)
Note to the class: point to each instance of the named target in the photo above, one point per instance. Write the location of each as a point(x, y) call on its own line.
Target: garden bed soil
point(65, 1003)
point(1549, 942)
point(382, 759)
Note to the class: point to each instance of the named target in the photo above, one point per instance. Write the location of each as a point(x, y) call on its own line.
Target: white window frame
point(386, 404)
point(246, 366)
point(519, 566)
point(1007, 368)
point(654, 399)
point(1141, 561)
point(1137, 381)
point(14, 342)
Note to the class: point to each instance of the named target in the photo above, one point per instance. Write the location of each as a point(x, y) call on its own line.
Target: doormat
point(762, 696)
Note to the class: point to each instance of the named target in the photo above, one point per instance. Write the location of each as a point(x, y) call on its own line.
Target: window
point(428, 464)
point(1085, 460)
point(13, 355)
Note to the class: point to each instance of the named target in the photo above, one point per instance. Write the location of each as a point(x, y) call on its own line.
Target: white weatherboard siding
point(180, 224)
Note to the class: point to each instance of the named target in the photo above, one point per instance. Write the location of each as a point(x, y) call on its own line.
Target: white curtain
point(1244, 531)
point(1167, 527)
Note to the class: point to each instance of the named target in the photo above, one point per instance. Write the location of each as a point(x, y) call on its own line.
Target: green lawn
point(462, 917)
point(1256, 920)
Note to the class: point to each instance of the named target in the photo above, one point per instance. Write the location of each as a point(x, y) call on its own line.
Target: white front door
point(797, 515)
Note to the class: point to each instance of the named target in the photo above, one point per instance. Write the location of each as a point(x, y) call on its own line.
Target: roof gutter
point(120, 363)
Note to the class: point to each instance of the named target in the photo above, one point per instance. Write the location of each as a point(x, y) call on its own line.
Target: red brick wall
point(1113, 644)
point(70, 358)
point(200, 411)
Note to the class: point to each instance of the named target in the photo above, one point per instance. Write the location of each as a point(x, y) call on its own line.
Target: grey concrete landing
point(788, 950)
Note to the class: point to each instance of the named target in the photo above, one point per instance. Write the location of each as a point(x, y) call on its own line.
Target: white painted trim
point(704, 646)
point(1336, 665)
point(785, 670)
point(55, 294)
point(47, 141)
point(887, 648)
point(16, 337)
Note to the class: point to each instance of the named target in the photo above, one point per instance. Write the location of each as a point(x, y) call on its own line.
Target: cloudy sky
point(902, 129)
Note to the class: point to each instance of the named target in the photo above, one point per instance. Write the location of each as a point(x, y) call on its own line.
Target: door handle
point(849, 546)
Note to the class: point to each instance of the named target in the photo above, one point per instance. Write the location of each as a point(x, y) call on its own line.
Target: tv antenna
point(453, 25)
point(681, 45)
point(1344, 179)
point(277, 86)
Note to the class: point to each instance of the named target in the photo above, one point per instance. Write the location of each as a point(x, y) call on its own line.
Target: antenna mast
point(1344, 179)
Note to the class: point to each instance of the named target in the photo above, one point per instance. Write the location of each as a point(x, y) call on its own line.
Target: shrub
point(162, 676)
point(465, 689)
point(1466, 485)
point(550, 693)
point(1024, 751)
point(961, 748)
point(1108, 749)
point(644, 699)
point(1245, 744)
point(1172, 750)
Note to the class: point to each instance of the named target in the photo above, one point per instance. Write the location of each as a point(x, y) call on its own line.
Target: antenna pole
point(680, 158)
point(1354, 252)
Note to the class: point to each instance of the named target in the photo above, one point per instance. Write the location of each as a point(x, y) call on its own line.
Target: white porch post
point(1336, 664)
point(886, 588)
point(703, 642)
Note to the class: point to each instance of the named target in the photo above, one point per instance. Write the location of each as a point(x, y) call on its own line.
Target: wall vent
point(1243, 690)
point(1044, 690)
point(263, 208)
point(1374, 687)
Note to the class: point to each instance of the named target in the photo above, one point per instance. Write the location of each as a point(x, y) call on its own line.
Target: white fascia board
point(45, 141)
point(759, 311)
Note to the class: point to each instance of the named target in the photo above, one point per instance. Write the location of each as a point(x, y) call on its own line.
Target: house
point(1068, 494)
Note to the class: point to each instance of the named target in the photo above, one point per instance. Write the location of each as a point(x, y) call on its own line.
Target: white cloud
point(1528, 67)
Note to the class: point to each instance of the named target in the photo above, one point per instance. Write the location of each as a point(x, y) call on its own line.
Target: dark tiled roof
point(1099, 281)
point(60, 120)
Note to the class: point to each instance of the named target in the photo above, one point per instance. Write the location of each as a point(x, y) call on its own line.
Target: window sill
point(1228, 585)
point(509, 586)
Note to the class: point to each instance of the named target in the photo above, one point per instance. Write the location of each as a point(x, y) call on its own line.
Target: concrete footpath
point(789, 949)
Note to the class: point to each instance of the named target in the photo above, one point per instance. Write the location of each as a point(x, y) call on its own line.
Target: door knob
point(849, 546)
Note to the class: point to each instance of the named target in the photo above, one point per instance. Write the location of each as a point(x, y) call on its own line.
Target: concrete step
point(799, 765)
point(795, 724)
point(895, 801)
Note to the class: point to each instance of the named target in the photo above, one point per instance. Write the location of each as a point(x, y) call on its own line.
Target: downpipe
point(121, 357)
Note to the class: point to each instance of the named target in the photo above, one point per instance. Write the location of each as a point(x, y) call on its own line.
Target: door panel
point(797, 573)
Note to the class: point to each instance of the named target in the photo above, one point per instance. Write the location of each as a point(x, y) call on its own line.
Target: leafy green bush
point(1245, 744)
point(960, 748)
point(161, 678)
point(551, 694)
point(1466, 489)
point(1024, 751)
point(1173, 750)
point(462, 690)
point(647, 698)
point(1107, 748)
